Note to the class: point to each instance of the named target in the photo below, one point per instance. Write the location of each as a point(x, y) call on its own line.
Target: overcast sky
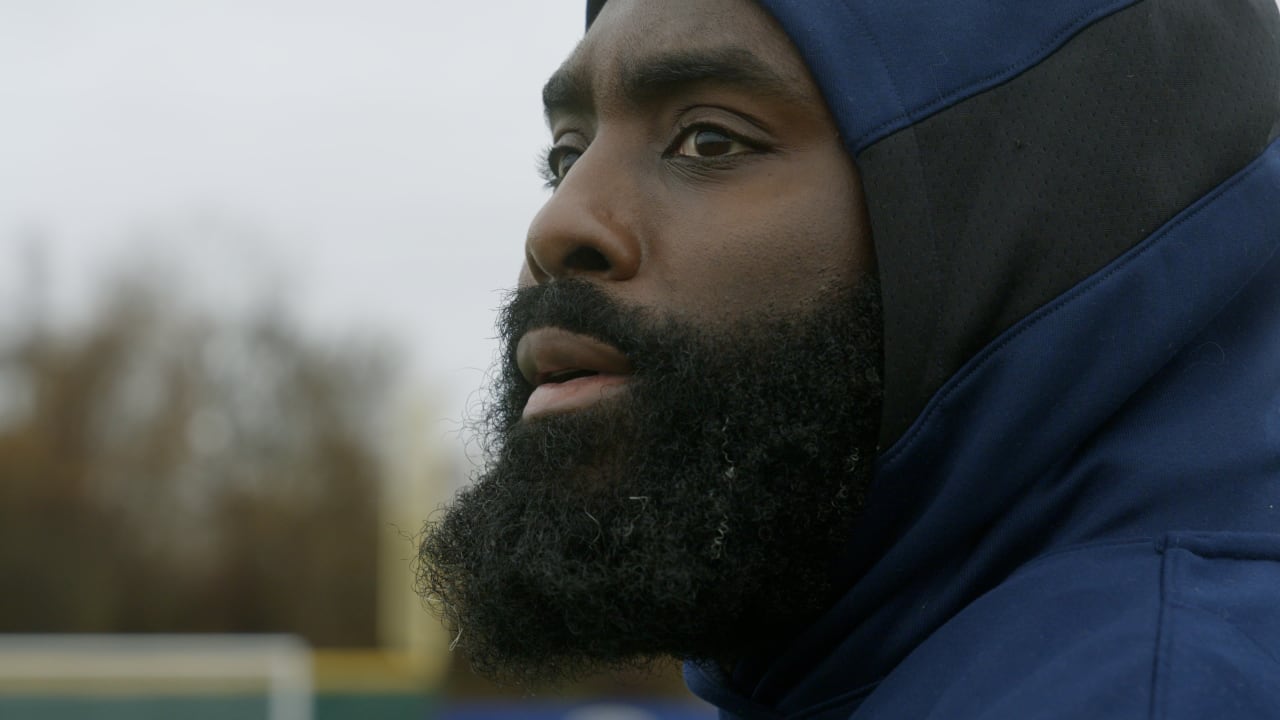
point(371, 161)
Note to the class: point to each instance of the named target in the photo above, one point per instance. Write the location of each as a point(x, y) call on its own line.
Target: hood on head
point(1008, 150)
point(1035, 175)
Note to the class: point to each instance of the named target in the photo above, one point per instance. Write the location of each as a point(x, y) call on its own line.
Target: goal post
point(43, 673)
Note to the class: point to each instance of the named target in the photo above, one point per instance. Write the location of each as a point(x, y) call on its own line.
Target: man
point(895, 360)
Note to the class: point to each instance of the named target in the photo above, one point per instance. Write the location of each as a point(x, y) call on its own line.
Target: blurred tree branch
point(162, 469)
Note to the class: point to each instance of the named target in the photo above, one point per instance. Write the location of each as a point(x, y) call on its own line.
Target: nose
point(585, 229)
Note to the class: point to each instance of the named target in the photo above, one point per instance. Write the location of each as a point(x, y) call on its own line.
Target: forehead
point(632, 34)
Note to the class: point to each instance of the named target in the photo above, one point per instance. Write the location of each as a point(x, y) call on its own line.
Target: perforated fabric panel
point(986, 211)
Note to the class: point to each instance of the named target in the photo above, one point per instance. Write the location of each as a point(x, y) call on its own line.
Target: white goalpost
point(111, 667)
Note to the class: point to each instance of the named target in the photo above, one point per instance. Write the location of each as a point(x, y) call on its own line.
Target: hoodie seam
point(728, 701)
point(1160, 669)
point(1193, 543)
point(1004, 74)
point(866, 29)
point(1083, 547)
point(837, 701)
point(1063, 301)
point(1162, 674)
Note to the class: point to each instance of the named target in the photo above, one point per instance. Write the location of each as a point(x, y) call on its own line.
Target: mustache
point(576, 305)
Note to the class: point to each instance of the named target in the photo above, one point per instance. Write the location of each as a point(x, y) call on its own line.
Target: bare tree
point(164, 469)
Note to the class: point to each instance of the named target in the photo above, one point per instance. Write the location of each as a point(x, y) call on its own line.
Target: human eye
point(555, 163)
point(709, 141)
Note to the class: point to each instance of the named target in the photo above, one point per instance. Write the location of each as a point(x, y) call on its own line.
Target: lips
point(568, 371)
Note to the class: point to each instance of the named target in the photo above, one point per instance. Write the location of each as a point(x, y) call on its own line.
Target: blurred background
point(250, 252)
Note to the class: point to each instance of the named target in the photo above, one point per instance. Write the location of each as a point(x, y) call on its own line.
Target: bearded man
point(894, 360)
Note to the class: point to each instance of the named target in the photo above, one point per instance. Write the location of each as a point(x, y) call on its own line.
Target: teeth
point(567, 375)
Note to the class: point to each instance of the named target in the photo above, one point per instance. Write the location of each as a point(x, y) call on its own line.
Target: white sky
point(372, 161)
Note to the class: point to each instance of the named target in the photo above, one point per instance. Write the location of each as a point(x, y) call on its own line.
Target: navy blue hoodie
point(1076, 514)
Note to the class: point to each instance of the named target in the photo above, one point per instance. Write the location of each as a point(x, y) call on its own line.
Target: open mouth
point(567, 375)
point(568, 371)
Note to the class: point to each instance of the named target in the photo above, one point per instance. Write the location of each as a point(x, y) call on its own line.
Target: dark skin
point(696, 168)
point(682, 426)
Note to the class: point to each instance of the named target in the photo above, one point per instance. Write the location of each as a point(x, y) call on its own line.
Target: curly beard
point(694, 515)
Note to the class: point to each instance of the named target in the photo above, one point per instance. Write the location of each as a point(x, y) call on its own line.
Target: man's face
point(707, 178)
point(681, 430)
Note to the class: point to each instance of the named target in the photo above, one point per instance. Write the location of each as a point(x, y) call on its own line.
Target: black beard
point(693, 515)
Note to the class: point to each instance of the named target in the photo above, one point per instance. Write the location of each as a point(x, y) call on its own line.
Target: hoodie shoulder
point(1174, 629)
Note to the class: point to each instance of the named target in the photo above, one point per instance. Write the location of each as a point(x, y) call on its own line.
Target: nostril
point(586, 259)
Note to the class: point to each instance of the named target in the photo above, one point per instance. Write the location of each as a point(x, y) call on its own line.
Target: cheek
point(773, 247)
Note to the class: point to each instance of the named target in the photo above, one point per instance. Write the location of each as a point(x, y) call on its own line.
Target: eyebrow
point(570, 90)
